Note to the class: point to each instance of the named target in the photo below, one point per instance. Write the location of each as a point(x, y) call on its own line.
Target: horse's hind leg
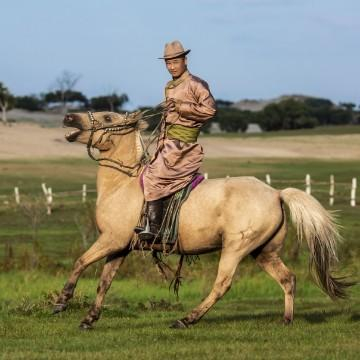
point(113, 262)
point(269, 260)
point(227, 266)
point(101, 248)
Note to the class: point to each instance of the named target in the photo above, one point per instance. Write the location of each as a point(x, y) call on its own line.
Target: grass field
point(245, 324)
point(139, 307)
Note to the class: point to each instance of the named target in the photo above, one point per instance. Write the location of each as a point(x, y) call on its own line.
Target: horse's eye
point(107, 118)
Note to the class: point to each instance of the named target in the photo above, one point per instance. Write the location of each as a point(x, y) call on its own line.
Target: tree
point(64, 89)
point(29, 102)
point(348, 106)
point(71, 96)
point(111, 102)
point(232, 120)
point(223, 103)
point(6, 101)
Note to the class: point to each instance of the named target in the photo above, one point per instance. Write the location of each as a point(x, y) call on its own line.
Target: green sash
point(183, 133)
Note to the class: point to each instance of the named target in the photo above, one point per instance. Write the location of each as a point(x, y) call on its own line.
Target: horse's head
point(96, 128)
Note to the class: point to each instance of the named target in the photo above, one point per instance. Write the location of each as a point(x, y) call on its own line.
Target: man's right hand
point(169, 105)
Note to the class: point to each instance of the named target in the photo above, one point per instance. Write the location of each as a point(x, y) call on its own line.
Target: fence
point(308, 183)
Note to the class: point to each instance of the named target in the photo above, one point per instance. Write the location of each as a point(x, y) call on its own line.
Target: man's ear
point(185, 60)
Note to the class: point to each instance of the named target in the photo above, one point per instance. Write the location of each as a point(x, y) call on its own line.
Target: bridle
point(117, 129)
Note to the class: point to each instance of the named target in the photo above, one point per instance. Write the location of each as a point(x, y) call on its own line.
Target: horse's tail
point(319, 228)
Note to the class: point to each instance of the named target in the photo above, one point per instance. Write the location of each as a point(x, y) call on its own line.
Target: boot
point(154, 217)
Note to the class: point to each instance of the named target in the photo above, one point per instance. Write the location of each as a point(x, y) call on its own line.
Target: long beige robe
point(175, 162)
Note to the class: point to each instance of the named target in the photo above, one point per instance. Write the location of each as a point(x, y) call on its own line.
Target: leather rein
point(116, 129)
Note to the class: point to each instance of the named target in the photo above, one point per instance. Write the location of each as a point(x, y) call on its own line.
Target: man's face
point(177, 66)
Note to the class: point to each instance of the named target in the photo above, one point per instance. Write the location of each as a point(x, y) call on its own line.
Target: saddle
point(167, 236)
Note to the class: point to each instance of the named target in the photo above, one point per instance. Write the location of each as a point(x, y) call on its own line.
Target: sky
point(244, 49)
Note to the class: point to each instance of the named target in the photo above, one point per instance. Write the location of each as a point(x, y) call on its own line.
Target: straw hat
point(173, 50)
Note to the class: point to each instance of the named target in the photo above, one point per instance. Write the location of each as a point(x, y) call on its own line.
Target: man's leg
point(155, 216)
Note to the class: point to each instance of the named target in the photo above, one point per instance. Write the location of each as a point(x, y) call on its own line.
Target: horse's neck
point(126, 151)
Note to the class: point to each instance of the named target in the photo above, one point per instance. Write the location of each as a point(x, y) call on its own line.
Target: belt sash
point(182, 133)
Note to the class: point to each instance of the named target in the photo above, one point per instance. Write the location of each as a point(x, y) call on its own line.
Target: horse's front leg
point(101, 248)
point(113, 262)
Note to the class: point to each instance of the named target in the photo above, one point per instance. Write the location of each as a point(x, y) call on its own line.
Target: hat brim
point(174, 56)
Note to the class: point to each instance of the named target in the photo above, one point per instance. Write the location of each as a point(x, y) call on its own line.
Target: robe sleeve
point(202, 110)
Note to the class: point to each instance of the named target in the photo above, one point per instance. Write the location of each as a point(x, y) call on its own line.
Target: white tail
point(318, 227)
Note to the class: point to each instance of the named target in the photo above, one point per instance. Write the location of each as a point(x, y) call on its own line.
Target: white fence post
point(308, 184)
point(44, 189)
point(268, 179)
point(49, 200)
point(332, 190)
point(84, 189)
point(206, 176)
point(17, 195)
point(353, 192)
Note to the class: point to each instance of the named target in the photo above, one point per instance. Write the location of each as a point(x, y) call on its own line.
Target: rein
point(118, 129)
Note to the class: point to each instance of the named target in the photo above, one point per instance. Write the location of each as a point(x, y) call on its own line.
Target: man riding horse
point(178, 157)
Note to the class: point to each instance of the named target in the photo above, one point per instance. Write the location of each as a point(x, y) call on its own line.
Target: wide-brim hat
point(173, 50)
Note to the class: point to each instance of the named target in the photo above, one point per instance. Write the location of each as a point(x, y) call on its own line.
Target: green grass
point(139, 307)
point(137, 314)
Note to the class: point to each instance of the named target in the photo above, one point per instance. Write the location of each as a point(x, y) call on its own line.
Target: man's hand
point(170, 105)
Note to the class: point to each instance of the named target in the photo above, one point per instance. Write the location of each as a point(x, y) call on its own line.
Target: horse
point(237, 216)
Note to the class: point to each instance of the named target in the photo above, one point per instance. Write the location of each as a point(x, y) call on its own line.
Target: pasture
point(35, 261)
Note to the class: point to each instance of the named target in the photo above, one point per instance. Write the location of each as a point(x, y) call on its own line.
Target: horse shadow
point(315, 317)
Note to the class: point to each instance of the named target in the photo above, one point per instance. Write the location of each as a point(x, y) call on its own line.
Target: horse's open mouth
point(72, 135)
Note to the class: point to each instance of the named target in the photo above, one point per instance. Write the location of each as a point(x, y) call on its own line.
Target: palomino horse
point(238, 216)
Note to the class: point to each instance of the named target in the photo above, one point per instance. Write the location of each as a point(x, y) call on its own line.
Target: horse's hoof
point(287, 321)
point(85, 326)
point(59, 308)
point(179, 324)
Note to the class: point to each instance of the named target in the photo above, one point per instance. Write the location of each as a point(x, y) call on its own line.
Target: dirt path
point(31, 141)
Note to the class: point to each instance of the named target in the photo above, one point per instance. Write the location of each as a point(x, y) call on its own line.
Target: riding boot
point(154, 216)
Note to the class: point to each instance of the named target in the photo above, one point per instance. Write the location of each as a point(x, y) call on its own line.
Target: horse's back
point(219, 207)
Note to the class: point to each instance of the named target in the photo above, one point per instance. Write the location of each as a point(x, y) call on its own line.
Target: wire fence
point(334, 192)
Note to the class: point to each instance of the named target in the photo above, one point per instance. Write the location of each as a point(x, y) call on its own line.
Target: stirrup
point(138, 229)
point(146, 233)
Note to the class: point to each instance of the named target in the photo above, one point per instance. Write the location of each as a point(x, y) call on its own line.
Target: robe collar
point(174, 83)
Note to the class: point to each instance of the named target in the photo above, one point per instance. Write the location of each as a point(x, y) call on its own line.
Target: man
point(188, 105)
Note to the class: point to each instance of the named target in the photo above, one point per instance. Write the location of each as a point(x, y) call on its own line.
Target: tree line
point(62, 97)
point(288, 114)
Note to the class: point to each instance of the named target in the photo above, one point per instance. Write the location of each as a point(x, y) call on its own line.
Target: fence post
point(44, 189)
point(49, 200)
point(268, 179)
point(308, 184)
point(84, 188)
point(206, 176)
point(353, 192)
point(17, 195)
point(332, 190)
